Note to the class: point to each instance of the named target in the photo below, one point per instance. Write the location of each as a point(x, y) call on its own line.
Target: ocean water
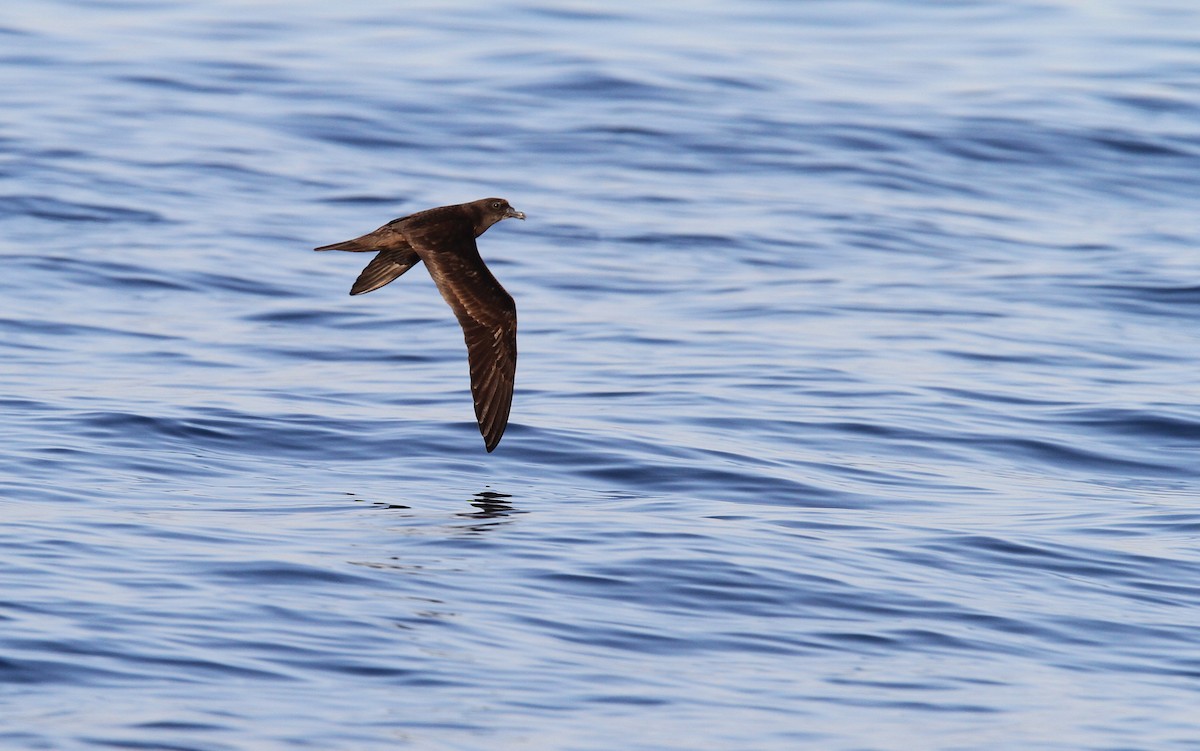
point(857, 406)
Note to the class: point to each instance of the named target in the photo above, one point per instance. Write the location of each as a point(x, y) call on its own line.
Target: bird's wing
point(384, 268)
point(488, 317)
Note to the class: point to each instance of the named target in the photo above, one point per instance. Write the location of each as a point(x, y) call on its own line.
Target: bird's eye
point(496, 205)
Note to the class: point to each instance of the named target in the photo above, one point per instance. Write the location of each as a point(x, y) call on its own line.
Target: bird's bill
point(511, 212)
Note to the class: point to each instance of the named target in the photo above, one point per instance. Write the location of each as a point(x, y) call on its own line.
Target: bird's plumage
point(444, 238)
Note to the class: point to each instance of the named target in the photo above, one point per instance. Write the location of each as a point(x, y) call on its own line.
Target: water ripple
point(855, 405)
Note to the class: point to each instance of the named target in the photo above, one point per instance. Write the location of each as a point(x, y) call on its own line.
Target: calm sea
point(857, 407)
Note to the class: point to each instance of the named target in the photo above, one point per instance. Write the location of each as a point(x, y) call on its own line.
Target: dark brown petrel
point(444, 238)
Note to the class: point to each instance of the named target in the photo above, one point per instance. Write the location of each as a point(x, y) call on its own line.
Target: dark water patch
point(222, 432)
point(175, 83)
point(246, 284)
point(631, 131)
point(1069, 456)
point(34, 672)
point(84, 269)
point(970, 395)
point(1126, 145)
point(367, 200)
point(304, 317)
point(244, 71)
point(53, 209)
point(1064, 360)
point(229, 30)
point(219, 168)
point(617, 637)
point(1156, 103)
point(1092, 566)
point(999, 142)
point(665, 469)
point(584, 84)
point(574, 14)
point(356, 132)
point(279, 573)
point(1162, 301)
point(356, 354)
point(48, 331)
point(688, 241)
point(180, 726)
point(146, 283)
point(137, 745)
point(1155, 426)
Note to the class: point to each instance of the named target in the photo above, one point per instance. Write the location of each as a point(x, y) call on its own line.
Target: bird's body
point(444, 238)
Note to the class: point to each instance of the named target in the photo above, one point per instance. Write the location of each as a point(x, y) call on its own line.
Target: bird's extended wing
point(488, 317)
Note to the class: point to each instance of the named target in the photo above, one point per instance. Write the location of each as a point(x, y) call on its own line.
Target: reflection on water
point(491, 505)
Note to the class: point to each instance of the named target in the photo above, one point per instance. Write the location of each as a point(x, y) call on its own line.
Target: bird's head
point(491, 210)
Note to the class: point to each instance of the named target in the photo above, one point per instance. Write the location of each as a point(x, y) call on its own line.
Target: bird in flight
point(444, 238)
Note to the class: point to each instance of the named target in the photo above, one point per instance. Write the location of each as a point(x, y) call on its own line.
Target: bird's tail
point(354, 246)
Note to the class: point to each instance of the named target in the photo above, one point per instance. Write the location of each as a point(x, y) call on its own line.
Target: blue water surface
point(857, 404)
